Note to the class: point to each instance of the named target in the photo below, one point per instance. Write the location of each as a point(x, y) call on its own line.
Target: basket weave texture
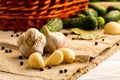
point(23, 14)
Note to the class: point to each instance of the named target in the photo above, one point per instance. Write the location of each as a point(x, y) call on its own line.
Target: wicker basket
point(23, 14)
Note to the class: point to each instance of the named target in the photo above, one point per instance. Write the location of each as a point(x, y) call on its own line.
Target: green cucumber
point(113, 15)
point(100, 9)
point(83, 22)
point(113, 7)
point(101, 22)
point(90, 12)
point(54, 25)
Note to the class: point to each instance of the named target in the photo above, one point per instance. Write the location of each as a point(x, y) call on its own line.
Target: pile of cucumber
point(95, 17)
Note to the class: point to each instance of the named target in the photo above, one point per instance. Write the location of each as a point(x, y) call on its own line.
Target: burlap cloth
point(88, 55)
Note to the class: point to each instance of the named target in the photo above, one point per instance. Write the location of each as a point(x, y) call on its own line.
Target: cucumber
point(113, 7)
point(90, 12)
point(93, 13)
point(81, 15)
point(100, 9)
point(54, 25)
point(113, 15)
point(83, 22)
point(101, 22)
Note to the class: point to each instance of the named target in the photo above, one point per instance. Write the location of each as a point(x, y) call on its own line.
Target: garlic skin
point(31, 41)
point(55, 40)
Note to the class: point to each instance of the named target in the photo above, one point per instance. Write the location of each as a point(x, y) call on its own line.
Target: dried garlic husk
point(55, 40)
point(31, 41)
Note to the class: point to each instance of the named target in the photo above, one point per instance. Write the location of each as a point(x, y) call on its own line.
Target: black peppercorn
point(66, 34)
point(2, 47)
point(6, 51)
point(20, 57)
point(117, 44)
point(10, 51)
point(102, 39)
point(65, 70)
point(17, 35)
point(49, 67)
point(96, 43)
point(61, 71)
point(11, 35)
point(78, 70)
point(21, 63)
point(15, 31)
point(41, 69)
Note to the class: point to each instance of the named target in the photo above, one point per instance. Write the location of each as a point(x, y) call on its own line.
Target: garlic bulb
point(54, 40)
point(31, 41)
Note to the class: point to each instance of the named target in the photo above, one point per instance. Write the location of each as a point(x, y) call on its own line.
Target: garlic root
point(55, 40)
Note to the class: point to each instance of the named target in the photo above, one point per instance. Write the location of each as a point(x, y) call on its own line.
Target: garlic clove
point(69, 55)
point(55, 40)
point(36, 61)
point(112, 28)
point(55, 58)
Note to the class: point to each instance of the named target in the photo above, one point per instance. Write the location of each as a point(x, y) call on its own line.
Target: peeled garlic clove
point(36, 61)
point(31, 41)
point(69, 55)
point(55, 40)
point(55, 58)
point(112, 28)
